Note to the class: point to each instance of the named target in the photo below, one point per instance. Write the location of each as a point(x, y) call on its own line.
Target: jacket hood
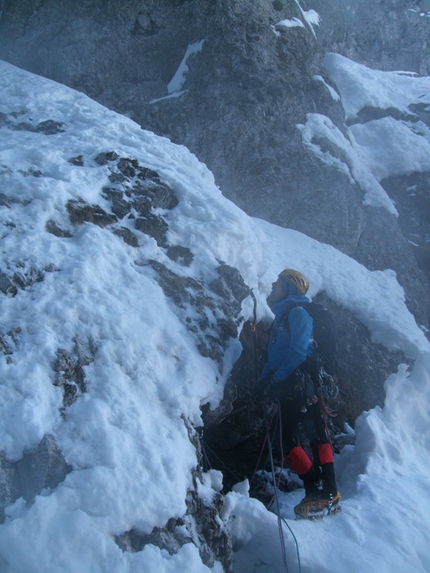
point(281, 306)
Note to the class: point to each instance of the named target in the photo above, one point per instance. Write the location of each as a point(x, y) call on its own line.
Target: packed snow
point(347, 157)
point(178, 80)
point(174, 87)
point(307, 17)
point(125, 438)
point(362, 87)
point(293, 23)
point(310, 17)
point(397, 142)
point(332, 91)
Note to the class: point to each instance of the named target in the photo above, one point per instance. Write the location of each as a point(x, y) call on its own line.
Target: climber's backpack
point(322, 365)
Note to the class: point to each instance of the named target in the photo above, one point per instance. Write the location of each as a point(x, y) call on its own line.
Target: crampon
point(317, 507)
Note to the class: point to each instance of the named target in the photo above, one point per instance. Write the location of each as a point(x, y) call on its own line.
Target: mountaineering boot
point(326, 460)
point(316, 507)
point(325, 501)
point(328, 479)
point(311, 481)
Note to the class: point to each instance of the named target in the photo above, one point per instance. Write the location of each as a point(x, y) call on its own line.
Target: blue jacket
point(290, 345)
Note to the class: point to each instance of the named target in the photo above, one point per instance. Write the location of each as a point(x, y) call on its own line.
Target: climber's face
point(277, 293)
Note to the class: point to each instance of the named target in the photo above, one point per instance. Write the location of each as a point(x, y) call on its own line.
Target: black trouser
point(292, 405)
point(295, 413)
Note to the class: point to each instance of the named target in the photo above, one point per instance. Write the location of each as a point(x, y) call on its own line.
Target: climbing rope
point(276, 481)
point(268, 426)
point(325, 415)
point(280, 528)
point(276, 413)
point(267, 440)
point(279, 517)
point(254, 331)
point(206, 447)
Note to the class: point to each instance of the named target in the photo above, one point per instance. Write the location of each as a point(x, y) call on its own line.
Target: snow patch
point(333, 92)
point(294, 23)
point(334, 149)
point(174, 87)
point(362, 87)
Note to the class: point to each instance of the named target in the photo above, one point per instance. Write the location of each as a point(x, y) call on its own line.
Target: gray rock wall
point(42, 469)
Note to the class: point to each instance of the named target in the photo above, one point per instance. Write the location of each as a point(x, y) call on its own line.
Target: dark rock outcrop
point(43, 468)
point(69, 369)
point(211, 312)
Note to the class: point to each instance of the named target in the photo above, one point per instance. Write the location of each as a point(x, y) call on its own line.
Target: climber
point(286, 379)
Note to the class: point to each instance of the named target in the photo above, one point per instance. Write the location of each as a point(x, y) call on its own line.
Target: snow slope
point(398, 142)
point(125, 437)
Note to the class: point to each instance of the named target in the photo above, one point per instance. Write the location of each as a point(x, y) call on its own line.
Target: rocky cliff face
point(229, 81)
